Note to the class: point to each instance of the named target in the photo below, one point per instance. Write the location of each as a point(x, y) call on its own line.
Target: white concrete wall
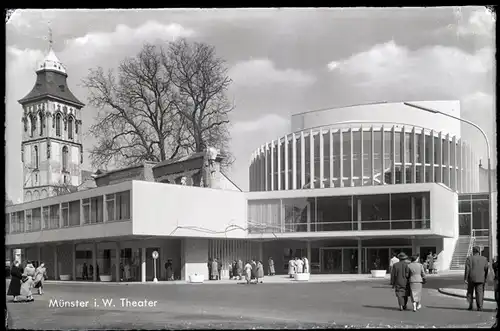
point(396, 112)
point(194, 257)
point(187, 211)
point(444, 211)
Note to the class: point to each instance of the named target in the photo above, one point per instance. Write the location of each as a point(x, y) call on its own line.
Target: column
point(403, 155)
point(266, 168)
point(73, 253)
point(358, 213)
point(321, 160)
point(272, 188)
point(56, 264)
point(362, 176)
point(422, 156)
point(330, 152)
point(393, 152)
point(372, 156)
point(460, 166)
point(309, 254)
point(278, 159)
point(432, 161)
point(94, 261)
point(341, 160)
point(414, 156)
point(440, 158)
point(302, 160)
point(104, 208)
point(143, 264)
point(382, 157)
point(360, 257)
point(448, 162)
point(286, 164)
point(311, 159)
point(308, 217)
point(424, 213)
point(261, 251)
point(454, 182)
point(60, 215)
point(117, 261)
point(294, 162)
point(351, 157)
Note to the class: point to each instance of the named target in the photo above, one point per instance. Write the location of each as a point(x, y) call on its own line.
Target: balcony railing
point(342, 226)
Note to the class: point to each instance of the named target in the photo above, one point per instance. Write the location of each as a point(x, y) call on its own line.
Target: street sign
point(155, 255)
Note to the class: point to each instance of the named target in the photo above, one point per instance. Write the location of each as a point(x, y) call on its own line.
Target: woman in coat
point(254, 269)
point(271, 270)
point(15, 280)
point(215, 269)
point(27, 281)
point(416, 278)
point(259, 274)
point(306, 265)
point(40, 275)
point(291, 268)
point(248, 272)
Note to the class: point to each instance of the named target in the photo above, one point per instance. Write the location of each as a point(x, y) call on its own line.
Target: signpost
point(155, 257)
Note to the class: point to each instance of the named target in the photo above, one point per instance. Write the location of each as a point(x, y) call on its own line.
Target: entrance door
point(350, 261)
point(331, 262)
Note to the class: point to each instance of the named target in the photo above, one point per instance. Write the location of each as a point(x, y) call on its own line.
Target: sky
point(281, 61)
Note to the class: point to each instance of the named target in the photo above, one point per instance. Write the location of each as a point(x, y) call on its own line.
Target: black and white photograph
point(251, 168)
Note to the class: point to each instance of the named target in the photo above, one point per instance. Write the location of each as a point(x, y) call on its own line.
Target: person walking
point(239, 269)
point(15, 280)
point(209, 265)
point(430, 263)
point(40, 275)
point(393, 261)
point(214, 270)
point(416, 279)
point(400, 273)
point(291, 268)
point(259, 273)
point(254, 269)
point(270, 264)
point(27, 281)
point(219, 268)
point(248, 272)
point(475, 276)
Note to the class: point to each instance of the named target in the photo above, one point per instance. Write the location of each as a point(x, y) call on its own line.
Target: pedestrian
point(215, 271)
point(299, 265)
point(27, 281)
point(126, 269)
point(430, 262)
point(435, 263)
point(495, 279)
point(248, 272)
point(259, 273)
point(234, 269)
point(209, 265)
point(393, 261)
point(291, 268)
point(254, 269)
point(15, 280)
point(219, 268)
point(416, 278)
point(400, 273)
point(85, 272)
point(40, 275)
point(475, 276)
point(239, 269)
point(307, 267)
point(169, 270)
point(271, 270)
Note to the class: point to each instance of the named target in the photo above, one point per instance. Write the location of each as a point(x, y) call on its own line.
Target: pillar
point(261, 251)
point(94, 261)
point(294, 162)
point(321, 160)
point(73, 253)
point(143, 264)
point(360, 256)
point(302, 160)
point(272, 167)
point(309, 254)
point(278, 161)
point(56, 271)
point(117, 261)
point(414, 249)
point(358, 213)
point(287, 184)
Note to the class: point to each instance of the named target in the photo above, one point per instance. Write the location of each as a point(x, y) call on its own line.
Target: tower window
point(41, 124)
point(37, 160)
point(65, 158)
point(33, 125)
point(58, 125)
point(70, 127)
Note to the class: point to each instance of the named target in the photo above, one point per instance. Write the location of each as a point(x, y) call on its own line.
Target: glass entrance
point(331, 261)
point(350, 261)
point(378, 258)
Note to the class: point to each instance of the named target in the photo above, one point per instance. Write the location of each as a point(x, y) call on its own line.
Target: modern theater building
point(347, 188)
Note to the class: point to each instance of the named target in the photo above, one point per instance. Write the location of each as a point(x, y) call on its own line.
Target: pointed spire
point(51, 61)
point(50, 37)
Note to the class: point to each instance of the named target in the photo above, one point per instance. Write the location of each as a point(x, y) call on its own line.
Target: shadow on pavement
point(461, 308)
point(382, 307)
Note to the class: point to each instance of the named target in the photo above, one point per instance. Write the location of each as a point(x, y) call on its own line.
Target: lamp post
point(490, 231)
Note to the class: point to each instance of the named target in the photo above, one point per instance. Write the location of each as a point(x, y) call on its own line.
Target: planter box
point(105, 278)
point(197, 279)
point(378, 273)
point(65, 277)
point(302, 277)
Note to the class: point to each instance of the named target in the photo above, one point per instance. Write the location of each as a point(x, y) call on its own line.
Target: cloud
point(18, 21)
point(262, 72)
point(453, 71)
point(267, 123)
point(480, 23)
point(124, 35)
point(333, 65)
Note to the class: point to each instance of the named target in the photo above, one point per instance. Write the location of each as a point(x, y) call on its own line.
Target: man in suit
point(399, 280)
point(476, 273)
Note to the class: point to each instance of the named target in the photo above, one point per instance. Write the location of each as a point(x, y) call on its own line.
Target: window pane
point(96, 210)
point(428, 148)
point(307, 143)
point(74, 213)
point(123, 205)
point(367, 159)
point(37, 218)
point(408, 148)
point(65, 216)
point(373, 209)
point(397, 146)
point(110, 207)
point(387, 156)
point(264, 216)
point(464, 206)
point(46, 217)
point(54, 217)
point(333, 214)
point(346, 158)
point(336, 158)
point(296, 213)
point(480, 215)
point(326, 159)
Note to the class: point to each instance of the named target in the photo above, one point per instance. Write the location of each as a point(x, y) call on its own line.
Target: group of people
point(251, 270)
point(25, 278)
point(430, 263)
point(298, 266)
point(407, 277)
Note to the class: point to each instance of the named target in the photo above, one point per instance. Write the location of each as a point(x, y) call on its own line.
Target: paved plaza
point(272, 305)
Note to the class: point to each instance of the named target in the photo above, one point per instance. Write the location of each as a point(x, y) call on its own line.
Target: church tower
point(51, 147)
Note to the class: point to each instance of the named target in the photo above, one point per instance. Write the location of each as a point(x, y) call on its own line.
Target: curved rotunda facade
point(389, 144)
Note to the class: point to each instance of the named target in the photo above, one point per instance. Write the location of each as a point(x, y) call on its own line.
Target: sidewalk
point(455, 292)
point(278, 279)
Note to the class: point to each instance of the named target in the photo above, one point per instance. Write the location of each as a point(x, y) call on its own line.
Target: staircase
point(462, 248)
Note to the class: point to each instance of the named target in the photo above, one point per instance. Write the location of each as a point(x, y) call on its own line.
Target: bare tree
point(64, 188)
point(160, 105)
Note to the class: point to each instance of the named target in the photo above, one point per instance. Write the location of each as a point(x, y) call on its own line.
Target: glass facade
point(341, 213)
point(473, 214)
point(359, 156)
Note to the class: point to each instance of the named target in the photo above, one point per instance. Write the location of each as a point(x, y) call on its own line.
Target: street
point(299, 305)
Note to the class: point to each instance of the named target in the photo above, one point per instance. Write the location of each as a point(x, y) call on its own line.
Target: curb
point(445, 292)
